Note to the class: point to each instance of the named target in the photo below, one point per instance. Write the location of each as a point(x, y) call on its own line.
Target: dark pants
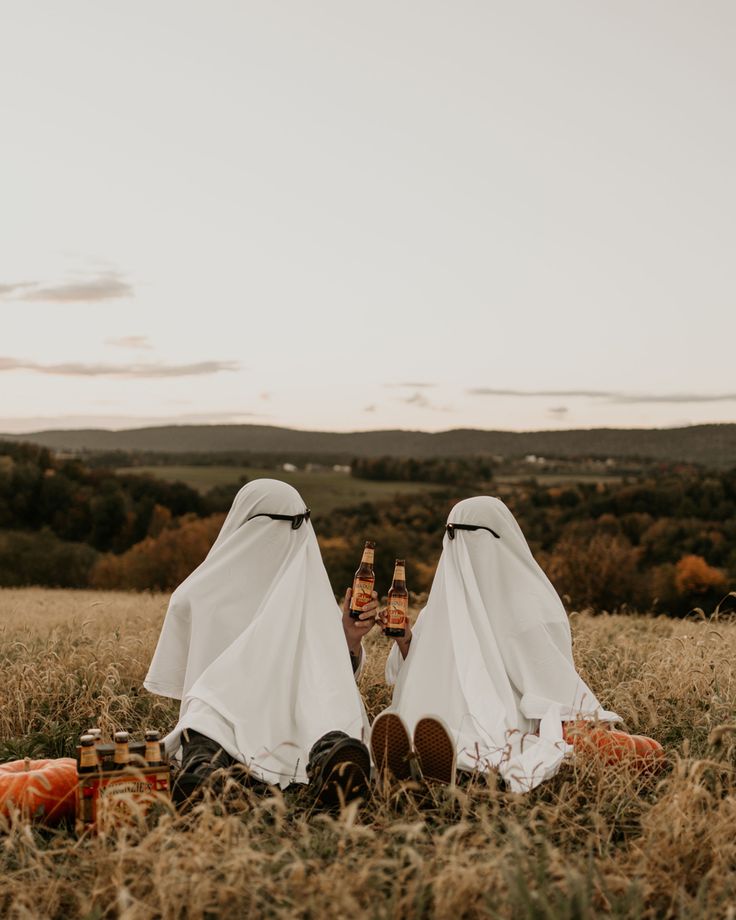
point(202, 757)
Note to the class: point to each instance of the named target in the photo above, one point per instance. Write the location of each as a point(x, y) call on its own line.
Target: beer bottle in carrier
point(88, 759)
point(154, 755)
point(96, 734)
point(104, 751)
point(121, 757)
point(398, 603)
point(363, 582)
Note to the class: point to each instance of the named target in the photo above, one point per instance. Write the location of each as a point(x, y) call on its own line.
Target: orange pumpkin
point(649, 750)
point(43, 790)
point(613, 746)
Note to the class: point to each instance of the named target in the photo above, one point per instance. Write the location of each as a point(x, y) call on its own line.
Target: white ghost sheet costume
point(491, 654)
point(253, 644)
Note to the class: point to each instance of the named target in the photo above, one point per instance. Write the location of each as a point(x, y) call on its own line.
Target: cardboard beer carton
point(109, 797)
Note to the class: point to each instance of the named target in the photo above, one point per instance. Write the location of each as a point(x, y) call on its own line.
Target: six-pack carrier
point(119, 781)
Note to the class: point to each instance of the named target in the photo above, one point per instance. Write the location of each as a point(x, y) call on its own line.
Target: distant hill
point(711, 445)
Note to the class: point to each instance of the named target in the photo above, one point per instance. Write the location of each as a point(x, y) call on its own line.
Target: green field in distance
point(323, 491)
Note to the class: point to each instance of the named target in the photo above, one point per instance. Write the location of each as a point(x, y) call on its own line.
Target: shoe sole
point(345, 773)
point(391, 747)
point(435, 750)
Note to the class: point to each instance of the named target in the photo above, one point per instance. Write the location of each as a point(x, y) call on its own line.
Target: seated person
point(490, 657)
point(253, 646)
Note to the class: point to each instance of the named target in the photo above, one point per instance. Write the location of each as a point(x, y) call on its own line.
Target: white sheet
point(491, 654)
point(253, 644)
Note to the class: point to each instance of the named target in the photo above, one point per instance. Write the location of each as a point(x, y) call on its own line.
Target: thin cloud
point(139, 342)
point(558, 411)
point(675, 397)
point(420, 401)
point(108, 286)
point(104, 286)
point(371, 408)
point(411, 386)
point(612, 396)
point(79, 369)
point(6, 289)
point(492, 391)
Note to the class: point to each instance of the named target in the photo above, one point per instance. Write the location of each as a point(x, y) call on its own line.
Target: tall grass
point(593, 841)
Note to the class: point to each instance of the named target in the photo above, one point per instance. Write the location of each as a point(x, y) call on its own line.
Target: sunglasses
point(451, 528)
point(296, 519)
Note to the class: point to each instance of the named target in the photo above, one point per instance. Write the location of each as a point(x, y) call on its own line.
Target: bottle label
point(362, 592)
point(153, 751)
point(396, 613)
point(400, 573)
point(368, 556)
point(88, 757)
point(121, 756)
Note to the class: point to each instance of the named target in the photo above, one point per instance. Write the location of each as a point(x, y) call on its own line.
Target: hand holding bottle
point(355, 629)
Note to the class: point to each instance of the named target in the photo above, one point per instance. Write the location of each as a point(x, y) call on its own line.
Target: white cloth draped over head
point(491, 653)
point(253, 645)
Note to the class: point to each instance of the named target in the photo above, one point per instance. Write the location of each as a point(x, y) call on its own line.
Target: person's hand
point(404, 641)
point(356, 629)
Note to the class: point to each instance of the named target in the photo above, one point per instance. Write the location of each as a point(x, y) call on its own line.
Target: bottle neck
point(400, 574)
point(368, 555)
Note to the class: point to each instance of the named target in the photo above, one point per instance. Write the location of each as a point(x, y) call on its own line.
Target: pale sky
point(350, 215)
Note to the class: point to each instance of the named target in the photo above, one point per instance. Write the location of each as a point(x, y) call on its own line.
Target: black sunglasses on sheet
point(451, 528)
point(296, 519)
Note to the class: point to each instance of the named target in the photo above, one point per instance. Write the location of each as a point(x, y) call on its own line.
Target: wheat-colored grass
point(593, 841)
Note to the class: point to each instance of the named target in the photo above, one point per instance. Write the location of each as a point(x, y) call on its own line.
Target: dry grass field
point(594, 841)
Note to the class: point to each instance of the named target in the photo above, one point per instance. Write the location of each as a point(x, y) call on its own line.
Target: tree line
point(455, 471)
point(665, 540)
point(57, 515)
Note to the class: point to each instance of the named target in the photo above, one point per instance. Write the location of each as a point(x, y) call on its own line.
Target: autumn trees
point(664, 540)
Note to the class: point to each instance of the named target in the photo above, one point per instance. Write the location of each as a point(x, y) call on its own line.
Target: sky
point(356, 215)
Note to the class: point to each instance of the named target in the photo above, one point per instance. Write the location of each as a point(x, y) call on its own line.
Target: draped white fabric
point(491, 653)
point(253, 645)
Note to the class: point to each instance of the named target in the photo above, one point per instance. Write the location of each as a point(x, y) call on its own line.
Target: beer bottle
point(96, 734)
point(104, 751)
point(154, 756)
point(88, 760)
point(121, 758)
point(398, 603)
point(363, 582)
